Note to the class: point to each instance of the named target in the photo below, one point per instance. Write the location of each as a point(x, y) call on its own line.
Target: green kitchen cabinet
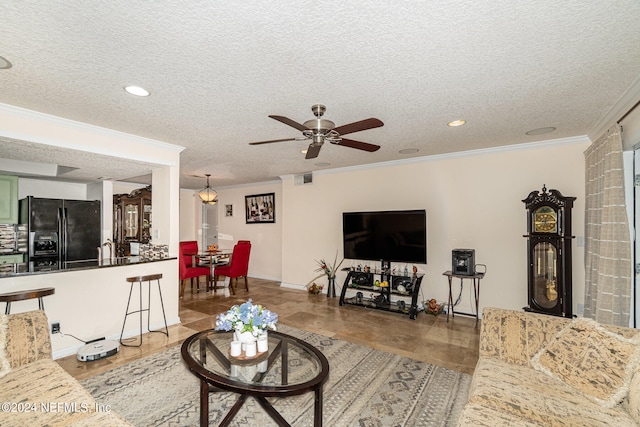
point(8, 199)
point(11, 259)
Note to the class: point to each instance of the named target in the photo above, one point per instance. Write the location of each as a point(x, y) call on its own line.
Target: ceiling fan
point(319, 130)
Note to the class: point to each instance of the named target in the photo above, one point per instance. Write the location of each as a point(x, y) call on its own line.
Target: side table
point(475, 278)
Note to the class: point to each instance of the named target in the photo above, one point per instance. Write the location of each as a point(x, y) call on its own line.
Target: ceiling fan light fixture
point(319, 130)
point(208, 195)
point(320, 125)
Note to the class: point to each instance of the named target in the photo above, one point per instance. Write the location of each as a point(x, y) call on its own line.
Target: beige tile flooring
point(452, 344)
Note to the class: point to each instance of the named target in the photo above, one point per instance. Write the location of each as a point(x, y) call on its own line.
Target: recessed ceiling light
point(4, 64)
point(323, 164)
point(456, 123)
point(136, 90)
point(540, 131)
point(408, 151)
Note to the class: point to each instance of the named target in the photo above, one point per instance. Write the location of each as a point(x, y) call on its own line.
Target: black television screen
point(397, 236)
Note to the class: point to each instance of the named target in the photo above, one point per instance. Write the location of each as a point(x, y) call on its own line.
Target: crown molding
point(470, 153)
point(251, 184)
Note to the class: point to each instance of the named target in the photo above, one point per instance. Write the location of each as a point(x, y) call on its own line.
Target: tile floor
point(432, 339)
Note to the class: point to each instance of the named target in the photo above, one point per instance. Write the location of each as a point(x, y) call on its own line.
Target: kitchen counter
point(24, 269)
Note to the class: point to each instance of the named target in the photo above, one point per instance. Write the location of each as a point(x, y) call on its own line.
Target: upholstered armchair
point(187, 270)
point(238, 266)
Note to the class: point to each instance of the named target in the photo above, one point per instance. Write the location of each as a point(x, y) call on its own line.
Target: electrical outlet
point(55, 327)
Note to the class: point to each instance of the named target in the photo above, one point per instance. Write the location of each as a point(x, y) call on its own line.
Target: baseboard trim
point(293, 286)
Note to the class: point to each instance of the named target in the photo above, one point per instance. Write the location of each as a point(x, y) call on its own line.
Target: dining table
point(212, 259)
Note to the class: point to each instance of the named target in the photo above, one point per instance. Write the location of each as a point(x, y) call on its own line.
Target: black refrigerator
point(61, 230)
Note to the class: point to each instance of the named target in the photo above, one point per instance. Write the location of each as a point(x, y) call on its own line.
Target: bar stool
point(25, 295)
point(141, 279)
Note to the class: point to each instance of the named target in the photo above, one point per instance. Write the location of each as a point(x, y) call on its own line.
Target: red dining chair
point(186, 268)
point(237, 267)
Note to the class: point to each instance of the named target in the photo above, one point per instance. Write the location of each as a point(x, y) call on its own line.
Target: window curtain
point(607, 241)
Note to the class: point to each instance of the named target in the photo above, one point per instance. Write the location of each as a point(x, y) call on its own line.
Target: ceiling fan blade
point(313, 151)
point(359, 145)
point(358, 126)
point(273, 140)
point(289, 122)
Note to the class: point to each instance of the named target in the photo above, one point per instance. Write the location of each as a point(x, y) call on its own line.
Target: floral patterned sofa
point(35, 390)
point(540, 370)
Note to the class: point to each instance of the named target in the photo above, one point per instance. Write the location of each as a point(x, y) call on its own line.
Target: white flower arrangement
point(247, 318)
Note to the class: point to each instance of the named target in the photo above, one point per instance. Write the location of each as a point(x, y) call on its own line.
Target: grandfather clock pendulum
point(549, 252)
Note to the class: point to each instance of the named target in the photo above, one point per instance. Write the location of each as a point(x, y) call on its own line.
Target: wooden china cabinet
point(131, 219)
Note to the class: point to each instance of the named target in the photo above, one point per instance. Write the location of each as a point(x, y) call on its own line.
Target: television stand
point(399, 296)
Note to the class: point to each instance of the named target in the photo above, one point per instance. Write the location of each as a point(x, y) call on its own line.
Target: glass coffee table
point(290, 367)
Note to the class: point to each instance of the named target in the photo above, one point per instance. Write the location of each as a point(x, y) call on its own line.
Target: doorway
point(209, 225)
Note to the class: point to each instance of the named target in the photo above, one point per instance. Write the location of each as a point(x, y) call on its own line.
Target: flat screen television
point(396, 236)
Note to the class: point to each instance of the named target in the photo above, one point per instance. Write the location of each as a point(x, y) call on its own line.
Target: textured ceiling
point(217, 69)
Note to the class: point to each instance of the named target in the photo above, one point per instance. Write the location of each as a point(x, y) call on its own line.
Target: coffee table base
point(205, 389)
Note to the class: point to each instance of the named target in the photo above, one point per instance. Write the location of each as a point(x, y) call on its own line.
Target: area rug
point(366, 387)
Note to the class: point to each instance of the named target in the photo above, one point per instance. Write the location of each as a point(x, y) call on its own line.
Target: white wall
point(104, 191)
point(188, 207)
point(266, 239)
point(473, 200)
point(51, 189)
point(91, 304)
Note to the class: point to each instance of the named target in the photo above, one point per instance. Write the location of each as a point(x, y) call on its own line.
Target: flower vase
point(263, 342)
point(244, 338)
point(331, 289)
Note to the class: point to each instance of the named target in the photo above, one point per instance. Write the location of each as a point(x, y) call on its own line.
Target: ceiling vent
point(303, 178)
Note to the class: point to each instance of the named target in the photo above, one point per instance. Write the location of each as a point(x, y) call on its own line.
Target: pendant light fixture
point(208, 194)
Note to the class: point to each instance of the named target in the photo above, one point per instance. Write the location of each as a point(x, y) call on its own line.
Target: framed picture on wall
point(260, 208)
point(228, 210)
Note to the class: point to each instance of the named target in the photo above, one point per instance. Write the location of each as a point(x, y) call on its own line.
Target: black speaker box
point(463, 262)
point(362, 279)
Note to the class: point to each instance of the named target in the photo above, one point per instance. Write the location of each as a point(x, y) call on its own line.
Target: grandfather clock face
point(545, 220)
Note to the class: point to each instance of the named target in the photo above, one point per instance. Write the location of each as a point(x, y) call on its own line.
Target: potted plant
point(330, 271)
point(248, 321)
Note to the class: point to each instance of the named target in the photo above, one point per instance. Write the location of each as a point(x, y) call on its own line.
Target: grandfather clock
point(549, 252)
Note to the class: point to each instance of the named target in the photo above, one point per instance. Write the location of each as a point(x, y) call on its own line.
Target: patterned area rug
point(366, 387)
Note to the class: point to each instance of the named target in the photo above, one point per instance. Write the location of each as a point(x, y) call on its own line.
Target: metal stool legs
point(141, 279)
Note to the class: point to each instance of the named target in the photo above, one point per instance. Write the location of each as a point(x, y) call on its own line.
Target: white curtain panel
point(607, 241)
